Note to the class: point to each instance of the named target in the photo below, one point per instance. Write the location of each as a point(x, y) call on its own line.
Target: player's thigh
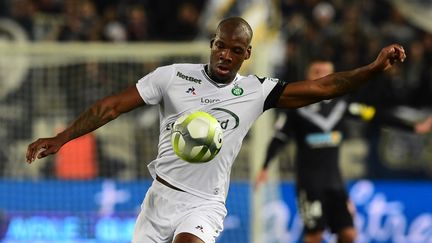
point(187, 238)
point(340, 214)
point(150, 231)
point(153, 224)
point(206, 224)
point(347, 235)
point(313, 237)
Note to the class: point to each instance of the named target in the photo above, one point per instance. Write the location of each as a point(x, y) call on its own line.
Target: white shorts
point(166, 213)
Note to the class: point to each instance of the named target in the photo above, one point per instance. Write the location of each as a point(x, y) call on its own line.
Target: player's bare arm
point(100, 113)
point(302, 93)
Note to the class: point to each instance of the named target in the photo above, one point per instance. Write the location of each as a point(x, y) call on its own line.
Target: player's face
point(319, 69)
point(229, 49)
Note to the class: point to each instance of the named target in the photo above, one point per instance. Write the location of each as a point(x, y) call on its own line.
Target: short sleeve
point(272, 89)
point(152, 86)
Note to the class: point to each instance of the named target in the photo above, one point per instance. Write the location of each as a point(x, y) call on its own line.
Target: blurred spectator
point(89, 20)
point(23, 12)
point(112, 28)
point(81, 22)
point(185, 27)
point(111, 20)
point(290, 69)
point(49, 6)
point(415, 63)
point(3, 8)
point(324, 14)
point(70, 31)
point(354, 35)
point(178, 22)
point(137, 24)
point(396, 29)
point(424, 92)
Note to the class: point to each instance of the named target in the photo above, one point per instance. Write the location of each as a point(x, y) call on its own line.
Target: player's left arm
point(302, 93)
point(97, 115)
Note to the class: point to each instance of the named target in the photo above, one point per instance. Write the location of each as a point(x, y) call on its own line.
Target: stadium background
point(58, 56)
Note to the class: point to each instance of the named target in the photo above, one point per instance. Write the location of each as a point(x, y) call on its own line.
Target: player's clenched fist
point(388, 56)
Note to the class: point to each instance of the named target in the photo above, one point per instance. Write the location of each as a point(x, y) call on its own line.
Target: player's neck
point(215, 79)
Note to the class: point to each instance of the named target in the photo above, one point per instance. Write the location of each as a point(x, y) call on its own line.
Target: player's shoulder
point(187, 66)
point(180, 66)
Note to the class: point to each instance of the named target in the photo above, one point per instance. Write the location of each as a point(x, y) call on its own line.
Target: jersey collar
point(219, 85)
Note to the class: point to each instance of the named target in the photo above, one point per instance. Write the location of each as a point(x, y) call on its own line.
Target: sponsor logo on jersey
point(323, 140)
point(209, 100)
point(191, 90)
point(228, 121)
point(188, 78)
point(237, 90)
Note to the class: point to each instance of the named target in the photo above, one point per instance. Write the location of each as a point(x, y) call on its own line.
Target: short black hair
point(238, 21)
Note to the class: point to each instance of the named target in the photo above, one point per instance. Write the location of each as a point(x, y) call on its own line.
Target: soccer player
point(186, 202)
point(317, 130)
point(321, 194)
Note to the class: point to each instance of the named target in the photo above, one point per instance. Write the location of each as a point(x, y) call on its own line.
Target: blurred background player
point(320, 187)
point(318, 131)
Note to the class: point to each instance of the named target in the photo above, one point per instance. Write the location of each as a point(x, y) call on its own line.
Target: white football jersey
point(181, 88)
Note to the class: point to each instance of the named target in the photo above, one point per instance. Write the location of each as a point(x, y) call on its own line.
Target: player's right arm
point(299, 94)
point(100, 113)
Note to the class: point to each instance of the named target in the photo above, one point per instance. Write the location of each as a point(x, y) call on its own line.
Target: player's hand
point(424, 126)
point(261, 178)
point(388, 56)
point(42, 148)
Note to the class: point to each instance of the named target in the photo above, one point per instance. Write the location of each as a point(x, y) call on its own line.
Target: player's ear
point(248, 52)
point(211, 42)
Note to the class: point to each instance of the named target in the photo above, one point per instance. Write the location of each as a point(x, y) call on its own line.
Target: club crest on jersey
point(237, 90)
point(191, 90)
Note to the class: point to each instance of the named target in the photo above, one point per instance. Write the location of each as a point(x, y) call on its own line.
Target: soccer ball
point(196, 137)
